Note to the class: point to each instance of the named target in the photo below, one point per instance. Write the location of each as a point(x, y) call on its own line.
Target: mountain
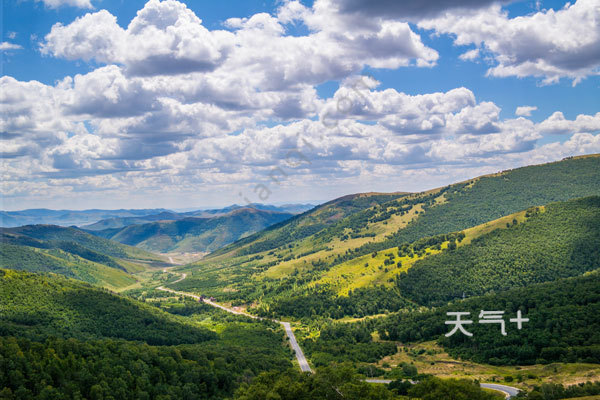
point(195, 234)
point(556, 241)
point(564, 320)
point(120, 222)
point(61, 338)
point(38, 306)
point(72, 253)
point(349, 248)
point(66, 217)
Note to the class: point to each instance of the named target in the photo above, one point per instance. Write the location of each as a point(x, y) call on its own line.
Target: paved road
point(286, 325)
point(508, 391)
point(296, 347)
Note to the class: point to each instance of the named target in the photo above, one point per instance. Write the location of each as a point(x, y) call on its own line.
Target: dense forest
point(63, 339)
point(561, 241)
point(564, 324)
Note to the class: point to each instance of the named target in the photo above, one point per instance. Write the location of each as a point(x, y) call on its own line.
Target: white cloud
point(558, 124)
point(61, 3)
point(470, 55)
point(166, 37)
point(4, 46)
point(525, 111)
point(547, 44)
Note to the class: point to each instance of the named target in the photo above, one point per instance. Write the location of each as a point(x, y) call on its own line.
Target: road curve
point(508, 391)
point(286, 325)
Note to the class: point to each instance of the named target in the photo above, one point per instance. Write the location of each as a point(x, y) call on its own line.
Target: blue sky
point(197, 103)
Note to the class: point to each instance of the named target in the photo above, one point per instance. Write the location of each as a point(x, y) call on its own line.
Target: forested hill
point(564, 321)
point(194, 234)
point(39, 306)
point(556, 241)
point(72, 253)
point(53, 233)
point(63, 339)
point(354, 242)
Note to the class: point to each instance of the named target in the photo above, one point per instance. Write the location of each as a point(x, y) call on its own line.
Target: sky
point(177, 104)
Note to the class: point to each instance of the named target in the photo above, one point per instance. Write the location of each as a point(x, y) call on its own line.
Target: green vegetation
point(74, 254)
point(365, 241)
point(37, 306)
point(559, 242)
point(77, 341)
point(346, 342)
point(553, 391)
point(434, 388)
point(195, 234)
point(324, 303)
point(564, 321)
point(333, 382)
point(53, 233)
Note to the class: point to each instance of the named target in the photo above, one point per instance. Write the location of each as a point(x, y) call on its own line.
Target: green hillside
point(62, 234)
point(195, 234)
point(558, 241)
point(58, 261)
point(564, 324)
point(73, 253)
point(365, 241)
point(38, 306)
point(60, 338)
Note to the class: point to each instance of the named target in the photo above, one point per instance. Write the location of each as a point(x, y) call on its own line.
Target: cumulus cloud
point(558, 124)
point(4, 46)
point(72, 3)
point(166, 37)
point(178, 106)
point(412, 9)
point(525, 111)
point(547, 44)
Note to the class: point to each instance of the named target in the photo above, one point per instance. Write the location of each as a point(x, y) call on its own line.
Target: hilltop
point(351, 245)
point(72, 253)
point(194, 234)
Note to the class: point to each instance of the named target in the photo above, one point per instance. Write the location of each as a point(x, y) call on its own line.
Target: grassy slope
point(33, 259)
point(307, 248)
point(562, 241)
point(73, 253)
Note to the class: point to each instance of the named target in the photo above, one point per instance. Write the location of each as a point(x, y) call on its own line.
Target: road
point(302, 361)
point(508, 391)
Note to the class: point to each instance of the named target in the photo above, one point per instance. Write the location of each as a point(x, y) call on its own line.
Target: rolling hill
point(72, 253)
point(352, 244)
point(195, 234)
point(61, 338)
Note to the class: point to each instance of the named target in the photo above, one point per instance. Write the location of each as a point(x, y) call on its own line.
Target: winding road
point(508, 391)
point(302, 361)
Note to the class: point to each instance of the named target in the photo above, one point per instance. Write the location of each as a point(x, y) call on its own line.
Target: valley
point(354, 290)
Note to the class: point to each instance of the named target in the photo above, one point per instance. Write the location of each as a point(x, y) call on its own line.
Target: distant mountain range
point(202, 231)
point(102, 219)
